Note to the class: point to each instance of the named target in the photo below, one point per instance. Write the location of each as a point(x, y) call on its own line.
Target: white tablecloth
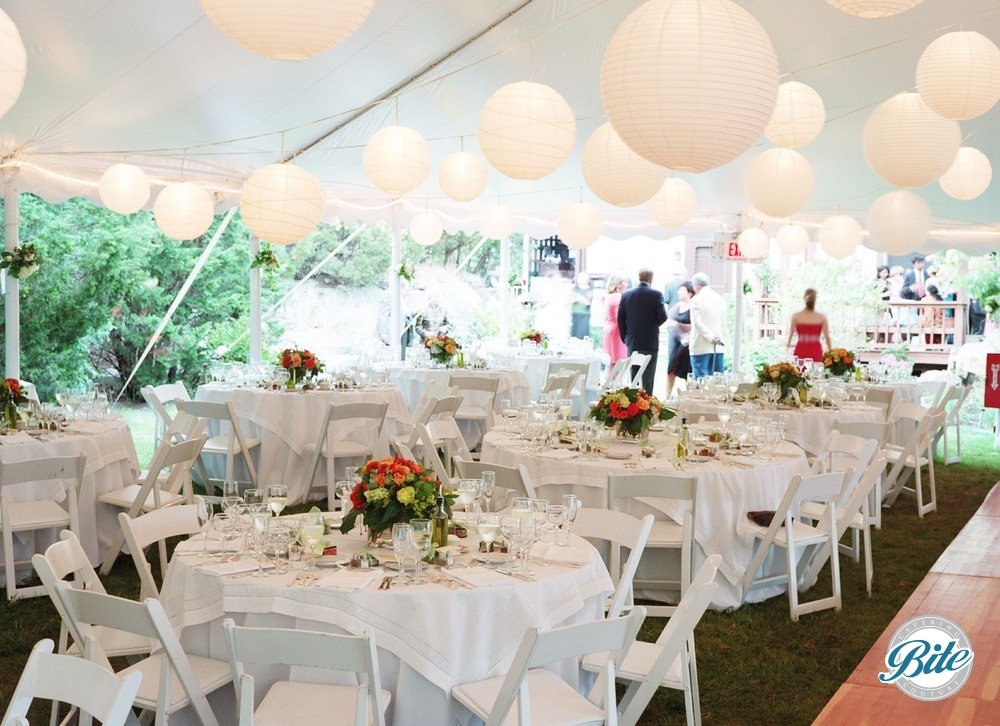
point(726, 492)
point(111, 464)
point(287, 422)
point(536, 368)
point(430, 638)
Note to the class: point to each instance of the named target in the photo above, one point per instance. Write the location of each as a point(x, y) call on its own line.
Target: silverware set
point(303, 579)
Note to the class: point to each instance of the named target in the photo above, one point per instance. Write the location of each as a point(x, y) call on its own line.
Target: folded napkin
point(347, 579)
point(480, 577)
point(228, 568)
point(18, 438)
point(569, 555)
point(87, 427)
point(559, 454)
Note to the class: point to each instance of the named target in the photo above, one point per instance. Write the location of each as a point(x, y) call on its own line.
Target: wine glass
point(312, 533)
point(570, 506)
point(489, 487)
point(488, 528)
point(205, 511)
point(508, 412)
point(467, 491)
point(421, 539)
point(277, 498)
point(526, 536)
point(260, 518)
point(343, 491)
point(402, 546)
point(253, 497)
point(520, 507)
point(555, 520)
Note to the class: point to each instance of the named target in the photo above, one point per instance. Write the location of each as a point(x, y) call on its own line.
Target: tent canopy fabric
point(156, 84)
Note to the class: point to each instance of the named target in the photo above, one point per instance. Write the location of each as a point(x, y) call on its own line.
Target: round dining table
point(464, 625)
point(512, 383)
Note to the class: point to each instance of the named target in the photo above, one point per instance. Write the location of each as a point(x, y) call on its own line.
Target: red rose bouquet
point(631, 409)
point(10, 396)
point(535, 336)
point(301, 364)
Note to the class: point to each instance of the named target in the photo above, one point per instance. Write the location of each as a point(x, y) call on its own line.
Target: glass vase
point(10, 416)
point(633, 432)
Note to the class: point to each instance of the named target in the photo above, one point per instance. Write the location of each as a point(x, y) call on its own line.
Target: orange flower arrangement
point(838, 361)
point(442, 348)
point(301, 364)
point(631, 409)
point(785, 375)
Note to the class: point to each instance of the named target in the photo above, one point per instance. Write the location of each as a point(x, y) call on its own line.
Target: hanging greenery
point(21, 263)
point(265, 260)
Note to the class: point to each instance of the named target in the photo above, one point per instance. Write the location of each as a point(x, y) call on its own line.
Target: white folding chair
point(539, 696)
point(228, 444)
point(665, 535)
point(578, 392)
point(911, 458)
point(433, 392)
point(162, 399)
point(637, 364)
point(429, 455)
point(30, 392)
point(560, 384)
point(515, 482)
point(648, 666)
point(953, 422)
point(300, 702)
point(882, 397)
point(614, 375)
point(620, 531)
point(155, 527)
point(21, 511)
point(479, 398)
point(338, 438)
point(80, 683)
point(882, 433)
point(789, 532)
point(440, 415)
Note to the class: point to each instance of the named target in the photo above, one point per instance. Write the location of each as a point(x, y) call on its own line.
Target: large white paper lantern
point(840, 235)
point(183, 211)
point(674, 205)
point(579, 225)
point(462, 176)
point(969, 175)
point(287, 29)
point(426, 228)
point(874, 9)
point(13, 63)
point(617, 174)
point(397, 159)
point(958, 75)
point(898, 222)
point(799, 115)
point(793, 239)
point(526, 130)
point(124, 188)
point(282, 203)
point(497, 222)
point(753, 243)
point(779, 182)
point(689, 84)
point(907, 144)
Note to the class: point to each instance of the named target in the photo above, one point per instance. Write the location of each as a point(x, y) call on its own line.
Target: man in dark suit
point(640, 315)
point(913, 281)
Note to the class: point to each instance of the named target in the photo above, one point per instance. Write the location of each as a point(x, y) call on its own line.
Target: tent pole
point(738, 320)
point(526, 261)
point(505, 290)
point(255, 316)
point(12, 301)
point(395, 295)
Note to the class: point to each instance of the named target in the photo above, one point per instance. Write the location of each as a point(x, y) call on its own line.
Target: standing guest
point(640, 315)
point(808, 325)
point(896, 276)
point(914, 281)
point(932, 317)
point(670, 299)
point(384, 321)
point(679, 320)
point(613, 344)
point(708, 321)
point(883, 282)
point(582, 296)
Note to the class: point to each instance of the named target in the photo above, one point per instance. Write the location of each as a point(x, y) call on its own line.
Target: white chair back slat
point(509, 478)
point(155, 527)
point(621, 531)
point(225, 413)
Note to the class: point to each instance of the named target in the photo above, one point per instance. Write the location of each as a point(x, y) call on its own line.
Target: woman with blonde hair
point(613, 344)
point(808, 326)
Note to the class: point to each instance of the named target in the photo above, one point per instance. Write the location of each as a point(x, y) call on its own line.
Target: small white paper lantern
point(426, 228)
point(526, 130)
point(753, 243)
point(462, 176)
point(617, 174)
point(287, 29)
point(674, 205)
point(874, 9)
point(183, 211)
point(13, 63)
point(689, 84)
point(282, 203)
point(124, 188)
point(779, 182)
point(799, 115)
point(958, 75)
point(840, 235)
point(793, 239)
point(397, 159)
point(907, 144)
point(497, 222)
point(898, 222)
point(579, 225)
point(969, 176)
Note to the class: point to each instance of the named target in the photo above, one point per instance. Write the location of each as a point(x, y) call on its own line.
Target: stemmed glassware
point(260, 518)
point(343, 490)
point(277, 497)
point(489, 487)
point(488, 528)
point(422, 544)
point(403, 548)
point(205, 511)
point(570, 506)
point(312, 533)
point(467, 491)
point(253, 497)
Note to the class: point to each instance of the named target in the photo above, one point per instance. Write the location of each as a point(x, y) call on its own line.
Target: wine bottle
point(682, 440)
point(439, 523)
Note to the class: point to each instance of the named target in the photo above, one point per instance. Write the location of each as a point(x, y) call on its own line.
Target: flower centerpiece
point(22, 262)
point(838, 361)
point(442, 348)
point(631, 410)
point(535, 336)
point(10, 396)
point(406, 272)
point(393, 490)
point(784, 375)
point(265, 260)
point(300, 364)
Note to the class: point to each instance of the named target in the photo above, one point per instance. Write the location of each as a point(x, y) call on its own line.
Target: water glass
point(421, 538)
point(489, 487)
point(277, 498)
point(402, 547)
point(253, 497)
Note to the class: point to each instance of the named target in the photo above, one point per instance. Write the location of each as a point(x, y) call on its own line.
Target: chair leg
point(835, 575)
point(920, 490)
point(867, 534)
point(855, 545)
point(693, 685)
point(10, 576)
point(793, 583)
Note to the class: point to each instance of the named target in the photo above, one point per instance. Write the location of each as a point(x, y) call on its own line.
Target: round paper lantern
point(793, 239)
point(282, 203)
point(674, 205)
point(183, 211)
point(898, 222)
point(124, 188)
point(287, 29)
point(617, 174)
point(969, 175)
point(526, 130)
point(13, 63)
point(907, 144)
point(958, 75)
point(426, 228)
point(579, 225)
point(840, 235)
point(497, 222)
point(689, 84)
point(779, 182)
point(753, 243)
point(874, 9)
point(397, 159)
point(462, 176)
point(799, 115)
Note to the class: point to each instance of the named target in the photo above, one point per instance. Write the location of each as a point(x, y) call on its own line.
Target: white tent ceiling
point(155, 82)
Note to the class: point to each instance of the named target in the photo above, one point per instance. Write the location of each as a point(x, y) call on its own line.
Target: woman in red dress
point(613, 344)
point(808, 326)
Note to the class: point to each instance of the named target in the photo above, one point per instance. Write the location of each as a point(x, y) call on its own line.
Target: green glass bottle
point(439, 524)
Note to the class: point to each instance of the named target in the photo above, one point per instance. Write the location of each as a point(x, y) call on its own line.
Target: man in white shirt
point(708, 321)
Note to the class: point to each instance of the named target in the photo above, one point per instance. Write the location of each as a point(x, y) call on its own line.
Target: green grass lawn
point(755, 665)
